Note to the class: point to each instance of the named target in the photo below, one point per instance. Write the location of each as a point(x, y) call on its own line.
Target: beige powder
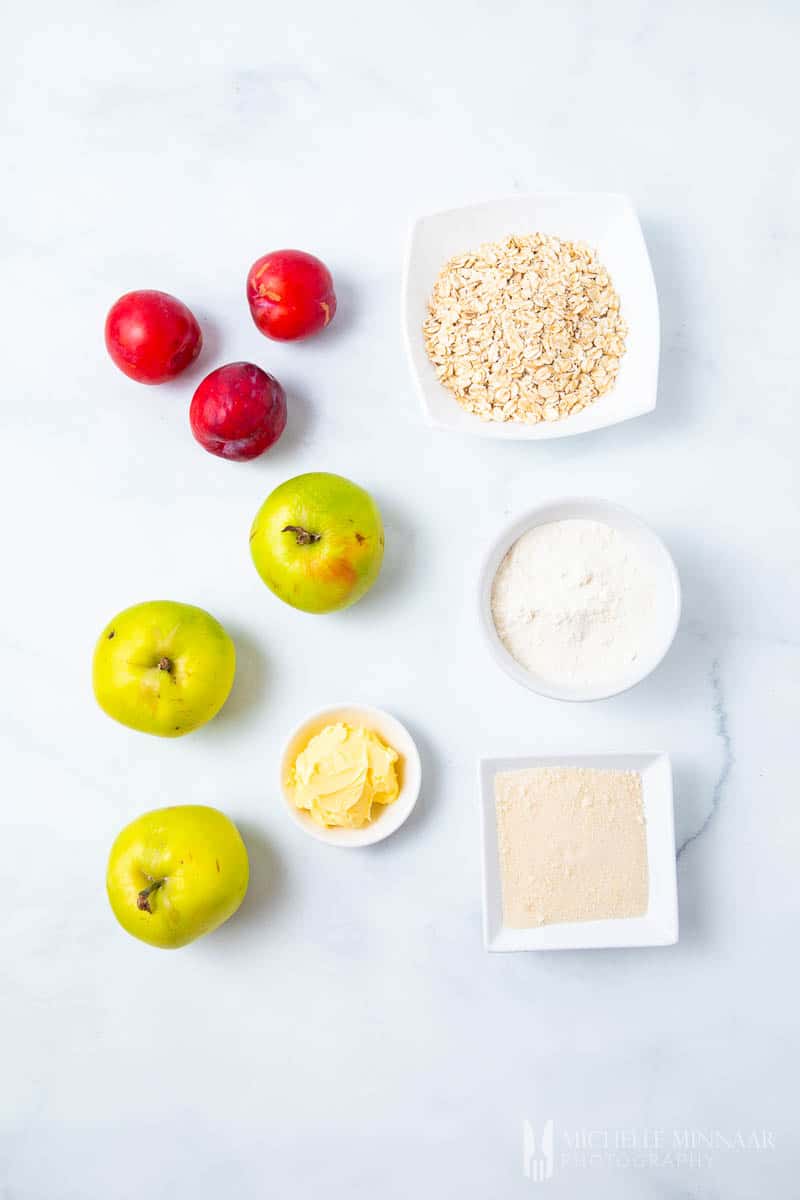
point(572, 845)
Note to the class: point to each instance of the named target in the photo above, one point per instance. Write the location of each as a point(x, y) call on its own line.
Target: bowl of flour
point(580, 599)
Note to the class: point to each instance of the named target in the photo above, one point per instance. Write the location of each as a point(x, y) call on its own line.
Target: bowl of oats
point(532, 317)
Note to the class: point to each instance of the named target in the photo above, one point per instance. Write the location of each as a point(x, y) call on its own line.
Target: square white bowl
point(608, 223)
point(659, 925)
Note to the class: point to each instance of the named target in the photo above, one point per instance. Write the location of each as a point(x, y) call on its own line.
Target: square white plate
point(659, 925)
point(608, 223)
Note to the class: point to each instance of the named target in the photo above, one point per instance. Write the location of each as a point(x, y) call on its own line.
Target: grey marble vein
point(723, 733)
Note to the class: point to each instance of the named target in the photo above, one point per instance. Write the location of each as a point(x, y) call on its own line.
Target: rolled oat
point(527, 329)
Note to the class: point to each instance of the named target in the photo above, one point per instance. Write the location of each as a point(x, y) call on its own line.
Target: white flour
point(575, 602)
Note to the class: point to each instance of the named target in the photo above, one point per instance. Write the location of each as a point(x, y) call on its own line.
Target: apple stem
point(143, 899)
point(164, 664)
point(304, 536)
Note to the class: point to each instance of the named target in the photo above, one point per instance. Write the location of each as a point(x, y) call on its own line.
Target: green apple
point(317, 542)
point(177, 873)
point(163, 668)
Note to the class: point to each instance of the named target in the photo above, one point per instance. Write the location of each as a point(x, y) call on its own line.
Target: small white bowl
point(658, 926)
point(652, 549)
point(608, 223)
point(409, 770)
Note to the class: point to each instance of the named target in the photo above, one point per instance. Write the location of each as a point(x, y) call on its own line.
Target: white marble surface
point(346, 1035)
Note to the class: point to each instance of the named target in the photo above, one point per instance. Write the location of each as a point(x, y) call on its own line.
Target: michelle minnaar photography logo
point(547, 1149)
point(537, 1152)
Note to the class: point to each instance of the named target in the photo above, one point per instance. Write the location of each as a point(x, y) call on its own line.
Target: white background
point(346, 1035)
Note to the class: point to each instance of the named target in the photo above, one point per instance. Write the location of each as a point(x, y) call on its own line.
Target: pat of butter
point(340, 776)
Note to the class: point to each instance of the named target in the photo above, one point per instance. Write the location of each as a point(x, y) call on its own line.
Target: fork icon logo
point(537, 1163)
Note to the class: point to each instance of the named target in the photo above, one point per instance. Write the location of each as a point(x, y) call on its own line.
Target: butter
point(340, 776)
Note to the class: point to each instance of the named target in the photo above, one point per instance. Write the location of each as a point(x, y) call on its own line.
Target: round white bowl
point(408, 767)
point(650, 546)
